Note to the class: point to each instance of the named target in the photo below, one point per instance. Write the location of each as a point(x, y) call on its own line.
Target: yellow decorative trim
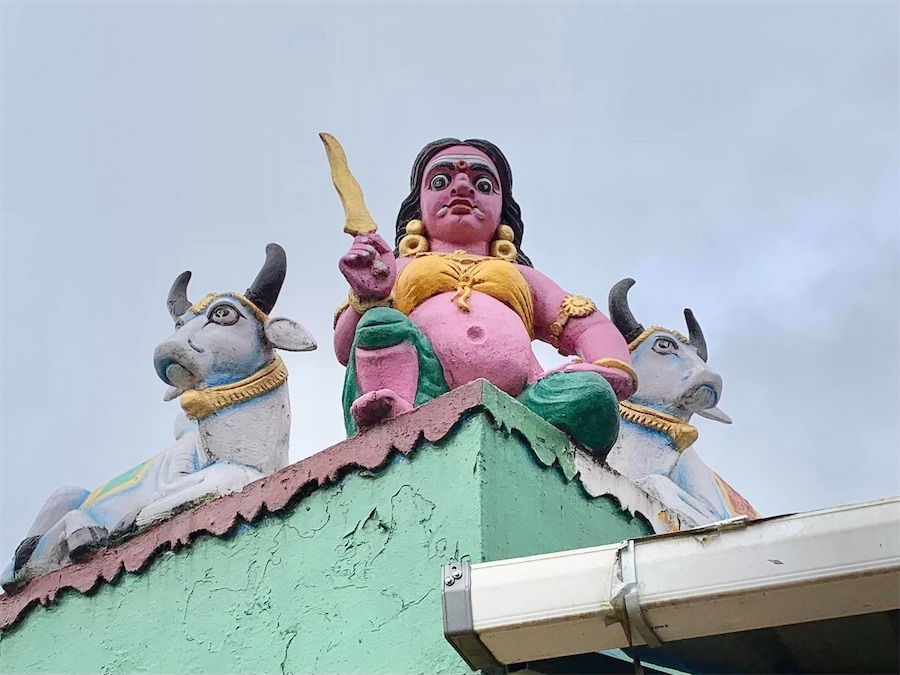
point(653, 329)
point(362, 306)
point(682, 433)
point(412, 245)
point(571, 307)
point(618, 365)
point(505, 233)
point(664, 518)
point(340, 310)
point(414, 242)
point(102, 493)
point(201, 403)
point(201, 305)
point(503, 249)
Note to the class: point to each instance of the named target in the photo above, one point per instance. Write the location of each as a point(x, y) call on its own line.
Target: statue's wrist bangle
point(362, 306)
point(616, 364)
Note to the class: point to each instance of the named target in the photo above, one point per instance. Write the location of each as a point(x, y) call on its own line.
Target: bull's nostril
point(195, 347)
point(710, 393)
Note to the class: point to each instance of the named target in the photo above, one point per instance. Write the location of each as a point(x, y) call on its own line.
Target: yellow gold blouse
point(430, 274)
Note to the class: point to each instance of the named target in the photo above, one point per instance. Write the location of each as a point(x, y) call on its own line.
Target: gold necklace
point(200, 403)
point(681, 433)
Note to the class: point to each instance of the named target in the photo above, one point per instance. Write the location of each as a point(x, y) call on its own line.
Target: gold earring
point(414, 241)
point(503, 246)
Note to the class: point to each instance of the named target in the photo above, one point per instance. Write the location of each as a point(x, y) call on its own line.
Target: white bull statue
point(234, 428)
point(655, 445)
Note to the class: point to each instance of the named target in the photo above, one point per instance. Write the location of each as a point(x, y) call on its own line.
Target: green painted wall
point(349, 581)
point(527, 509)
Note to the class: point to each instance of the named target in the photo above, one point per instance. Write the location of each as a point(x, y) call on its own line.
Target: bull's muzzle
point(176, 365)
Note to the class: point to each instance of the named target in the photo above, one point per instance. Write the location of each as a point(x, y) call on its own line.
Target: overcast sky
point(739, 159)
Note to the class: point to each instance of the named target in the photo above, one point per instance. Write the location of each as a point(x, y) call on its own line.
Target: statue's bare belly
point(489, 341)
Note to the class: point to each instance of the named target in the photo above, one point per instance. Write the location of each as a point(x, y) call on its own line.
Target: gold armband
point(361, 306)
point(571, 307)
point(618, 365)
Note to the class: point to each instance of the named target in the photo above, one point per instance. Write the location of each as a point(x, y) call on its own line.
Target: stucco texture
point(348, 580)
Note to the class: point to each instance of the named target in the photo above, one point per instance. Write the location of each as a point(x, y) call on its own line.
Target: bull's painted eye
point(223, 314)
point(664, 345)
point(484, 185)
point(439, 182)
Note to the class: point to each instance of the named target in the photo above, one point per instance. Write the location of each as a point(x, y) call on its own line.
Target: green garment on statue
point(581, 404)
point(383, 327)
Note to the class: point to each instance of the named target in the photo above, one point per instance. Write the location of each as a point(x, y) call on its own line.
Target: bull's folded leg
point(215, 480)
point(86, 540)
point(675, 498)
point(24, 551)
point(82, 534)
point(61, 502)
point(127, 523)
point(49, 553)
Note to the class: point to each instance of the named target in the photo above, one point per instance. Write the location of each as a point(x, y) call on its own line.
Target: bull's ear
point(289, 335)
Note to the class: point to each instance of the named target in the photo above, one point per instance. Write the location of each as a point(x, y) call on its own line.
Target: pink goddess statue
point(458, 300)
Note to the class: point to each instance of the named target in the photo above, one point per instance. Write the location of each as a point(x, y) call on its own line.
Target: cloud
point(740, 159)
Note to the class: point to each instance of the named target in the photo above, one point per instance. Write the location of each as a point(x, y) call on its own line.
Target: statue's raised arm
point(458, 300)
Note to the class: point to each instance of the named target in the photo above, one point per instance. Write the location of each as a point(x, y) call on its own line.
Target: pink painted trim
point(369, 450)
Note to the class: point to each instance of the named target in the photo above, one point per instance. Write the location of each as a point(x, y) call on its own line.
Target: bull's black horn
point(264, 290)
point(177, 302)
point(695, 334)
point(620, 313)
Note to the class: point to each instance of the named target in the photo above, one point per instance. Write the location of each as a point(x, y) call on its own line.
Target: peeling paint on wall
point(344, 579)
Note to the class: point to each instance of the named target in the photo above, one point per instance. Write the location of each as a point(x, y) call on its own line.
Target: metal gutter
point(727, 577)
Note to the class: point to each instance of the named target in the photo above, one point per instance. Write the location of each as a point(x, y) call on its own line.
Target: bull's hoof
point(24, 551)
point(86, 540)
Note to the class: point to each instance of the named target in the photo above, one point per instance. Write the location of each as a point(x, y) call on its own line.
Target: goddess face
point(460, 196)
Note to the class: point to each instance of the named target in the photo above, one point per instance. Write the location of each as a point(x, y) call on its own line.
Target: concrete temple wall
point(330, 565)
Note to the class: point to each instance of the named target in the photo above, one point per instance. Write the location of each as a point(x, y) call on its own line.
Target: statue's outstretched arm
point(574, 325)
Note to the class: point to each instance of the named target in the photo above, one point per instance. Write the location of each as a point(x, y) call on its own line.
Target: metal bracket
point(459, 627)
point(712, 530)
point(627, 602)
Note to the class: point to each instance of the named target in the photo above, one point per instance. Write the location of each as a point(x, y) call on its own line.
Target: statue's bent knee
point(384, 327)
point(582, 404)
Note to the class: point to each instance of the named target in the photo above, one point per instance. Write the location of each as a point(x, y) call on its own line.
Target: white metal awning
point(729, 577)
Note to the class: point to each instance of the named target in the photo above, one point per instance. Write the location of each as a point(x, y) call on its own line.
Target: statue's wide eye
point(224, 315)
point(664, 345)
point(439, 182)
point(484, 186)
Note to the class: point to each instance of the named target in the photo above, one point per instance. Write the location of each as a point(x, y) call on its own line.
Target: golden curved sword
point(358, 219)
